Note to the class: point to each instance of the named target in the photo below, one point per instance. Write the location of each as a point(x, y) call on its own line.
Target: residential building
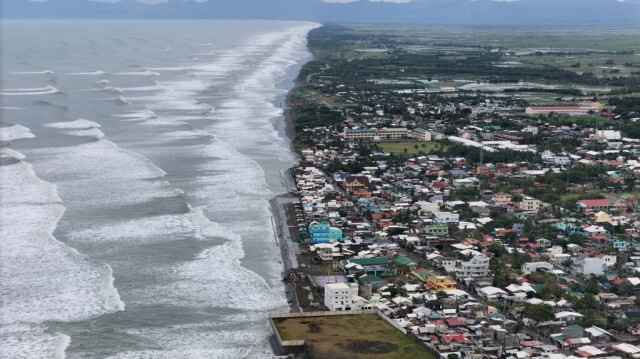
point(568, 317)
point(436, 229)
point(441, 282)
point(533, 267)
point(586, 266)
point(477, 267)
point(356, 182)
point(446, 217)
point(338, 296)
point(491, 293)
point(369, 265)
point(501, 198)
point(530, 204)
point(322, 232)
point(594, 204)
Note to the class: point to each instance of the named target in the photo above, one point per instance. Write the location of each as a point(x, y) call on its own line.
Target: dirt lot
point(350, 336)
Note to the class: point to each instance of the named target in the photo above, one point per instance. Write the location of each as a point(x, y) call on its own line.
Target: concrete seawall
point(289, 249)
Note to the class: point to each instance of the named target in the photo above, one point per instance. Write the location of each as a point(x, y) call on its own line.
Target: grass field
point(399, 147)
point(350, 337)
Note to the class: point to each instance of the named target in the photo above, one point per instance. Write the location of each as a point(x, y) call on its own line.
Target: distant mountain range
point(609, 13)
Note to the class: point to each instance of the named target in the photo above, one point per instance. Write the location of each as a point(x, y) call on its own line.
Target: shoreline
point(289, 250)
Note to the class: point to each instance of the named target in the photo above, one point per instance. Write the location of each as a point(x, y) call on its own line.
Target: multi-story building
point(356, 182)
point(530, 204)
point(446, 217)
point(421, 134)
point(338, 296)
point(477, 267)
point(436, 229)
point(533, 267)
point(586, 266)
point(560, 110)
point(501, 198)
point(441, 282)
point(393, 133)
point(359, 133)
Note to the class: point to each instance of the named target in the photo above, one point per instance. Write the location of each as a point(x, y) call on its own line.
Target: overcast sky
point(614, 13)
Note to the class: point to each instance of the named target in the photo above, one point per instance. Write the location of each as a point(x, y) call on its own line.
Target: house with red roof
point(594, 204)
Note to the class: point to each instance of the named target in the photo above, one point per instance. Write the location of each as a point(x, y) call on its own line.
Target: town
point(484, 218)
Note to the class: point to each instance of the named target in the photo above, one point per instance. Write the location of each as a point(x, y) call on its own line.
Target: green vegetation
point(411, 148)
point(350, 336)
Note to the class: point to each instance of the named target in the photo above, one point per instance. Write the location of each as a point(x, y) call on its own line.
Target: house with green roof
point(620, 245)
point(374, 266)
point(405, 261)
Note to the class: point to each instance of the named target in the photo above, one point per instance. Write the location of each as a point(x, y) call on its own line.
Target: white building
point(586, 266)
point(532, 267)
point(561, 160)
point(338, 296)
point(491, 293)
point(531, 129)
point(568, 317)
point(530, 204)
point(446, 217)
point(477, 267)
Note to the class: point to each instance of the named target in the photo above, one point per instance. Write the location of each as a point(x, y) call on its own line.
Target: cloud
point(395, 1)
point(339, 1)
point(107, 1)
point(152, 2)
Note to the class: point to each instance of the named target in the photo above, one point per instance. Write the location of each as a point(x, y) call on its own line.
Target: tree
point(539, 312)
point(497, 249)
point(441, 294)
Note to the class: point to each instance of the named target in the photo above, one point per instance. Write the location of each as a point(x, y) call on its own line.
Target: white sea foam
point(138, 115)
point(42, 278)
point(21, 185)
point(100, 177)
point(34, 72)
point(197, 342)
point(215, 279)
point(6, 152)
point(31, 341)
point(175, 68)
point(10, 108)
point(91, 132)
point(100, 174)
point(15, 132)
point(155, 87)
point(75, 124)
point(156, 229)
point(139, 73)
point(96, 72)
point(46, 90)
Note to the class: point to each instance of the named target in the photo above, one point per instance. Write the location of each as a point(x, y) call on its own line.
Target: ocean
point(137, 159)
